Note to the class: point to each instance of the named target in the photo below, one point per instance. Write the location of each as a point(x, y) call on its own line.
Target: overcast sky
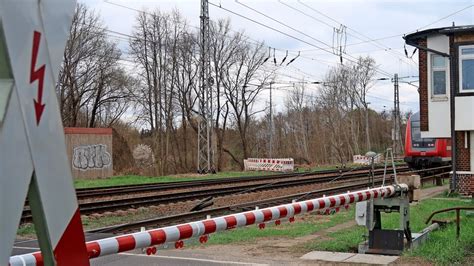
point(365, 20)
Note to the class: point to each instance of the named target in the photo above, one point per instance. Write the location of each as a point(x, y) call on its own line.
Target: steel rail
point(162, 186)
point(247, 206)
point(126, 203)
point(185, 217)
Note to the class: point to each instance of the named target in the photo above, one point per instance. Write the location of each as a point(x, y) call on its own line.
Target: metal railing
point(458, 218)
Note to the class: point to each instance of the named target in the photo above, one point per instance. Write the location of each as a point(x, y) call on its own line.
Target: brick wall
point(423, 73)
point(463, 154)
point(465, 182)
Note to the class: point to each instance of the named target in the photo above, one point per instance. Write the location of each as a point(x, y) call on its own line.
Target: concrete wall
point(90, 152)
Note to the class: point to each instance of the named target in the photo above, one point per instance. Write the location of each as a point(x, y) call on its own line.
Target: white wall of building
point(464, 113)
point(438, 106)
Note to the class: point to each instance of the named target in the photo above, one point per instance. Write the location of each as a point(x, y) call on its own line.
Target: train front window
point(417, 141)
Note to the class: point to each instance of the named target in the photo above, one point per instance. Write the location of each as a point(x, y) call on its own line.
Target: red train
point(424, 152)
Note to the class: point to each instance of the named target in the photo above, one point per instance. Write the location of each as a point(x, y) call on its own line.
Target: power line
point(269, 27)
point(395, 35)
point(291, 36)
point(445, 17)
point(253, 42)
point(281, 23)
point(261, 13)
point(368, 39)
point(358, 52)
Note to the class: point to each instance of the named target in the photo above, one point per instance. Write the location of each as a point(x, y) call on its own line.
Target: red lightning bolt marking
point(38, 75)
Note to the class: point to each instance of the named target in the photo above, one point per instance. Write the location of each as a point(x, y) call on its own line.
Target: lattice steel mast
point(205, 160)
point(397, 145)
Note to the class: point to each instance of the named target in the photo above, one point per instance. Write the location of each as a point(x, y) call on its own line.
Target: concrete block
point(413, 181)
point(416, 194)
point(327, 256)
point(371, 259)
point(350, 258)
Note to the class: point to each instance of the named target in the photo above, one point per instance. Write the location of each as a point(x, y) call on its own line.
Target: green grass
point(27, 230)
point(341, 241)
point(442, 248)
point(135, 179)
point(311, 224)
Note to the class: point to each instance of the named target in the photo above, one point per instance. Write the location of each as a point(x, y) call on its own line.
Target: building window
point(438, 75)
point(466, 68)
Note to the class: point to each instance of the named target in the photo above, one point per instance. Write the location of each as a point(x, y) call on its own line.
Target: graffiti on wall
point(91, 157)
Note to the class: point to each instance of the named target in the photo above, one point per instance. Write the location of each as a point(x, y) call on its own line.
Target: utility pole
point(205, 160)
point(396, 136)
point(270, 154)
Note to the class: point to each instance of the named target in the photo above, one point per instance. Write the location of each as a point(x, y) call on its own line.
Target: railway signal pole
point(205, 160)
point(270, 154)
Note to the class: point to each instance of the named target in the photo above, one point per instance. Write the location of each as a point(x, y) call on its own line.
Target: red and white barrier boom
point(269, 164)
point(33, 158)
point(176, 234)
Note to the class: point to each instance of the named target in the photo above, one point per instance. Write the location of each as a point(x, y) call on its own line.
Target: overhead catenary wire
point(445, 17)
point(386, 37)
point(284, 24)
point(247, 38)
point(368, 39)
point(285, 51)
point(292, 36)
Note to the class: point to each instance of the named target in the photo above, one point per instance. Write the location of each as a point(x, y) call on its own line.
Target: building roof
point(444, 30)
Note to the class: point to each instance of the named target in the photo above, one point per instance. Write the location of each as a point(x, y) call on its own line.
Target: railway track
point(101, 192)
point(190, 216)
point(100, 206)
point(198, 215)
point(160, 187)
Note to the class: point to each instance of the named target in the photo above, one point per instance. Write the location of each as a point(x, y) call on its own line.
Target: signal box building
point(446, 70)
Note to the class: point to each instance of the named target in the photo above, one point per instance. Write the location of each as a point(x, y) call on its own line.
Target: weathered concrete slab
point(372, 259)
point(349, 257)
point(327, 256)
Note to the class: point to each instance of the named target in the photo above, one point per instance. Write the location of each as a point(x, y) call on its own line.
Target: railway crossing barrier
point(175, 235)
point(365, 160)
point(269, 164)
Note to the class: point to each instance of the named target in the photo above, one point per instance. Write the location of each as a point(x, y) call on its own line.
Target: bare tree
point(223, 46)
point(298, 122)
point(241, 93)
point(364, 72)
point(91, 82)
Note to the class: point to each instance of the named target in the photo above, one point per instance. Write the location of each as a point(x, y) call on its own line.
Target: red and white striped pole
point(178, 233)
